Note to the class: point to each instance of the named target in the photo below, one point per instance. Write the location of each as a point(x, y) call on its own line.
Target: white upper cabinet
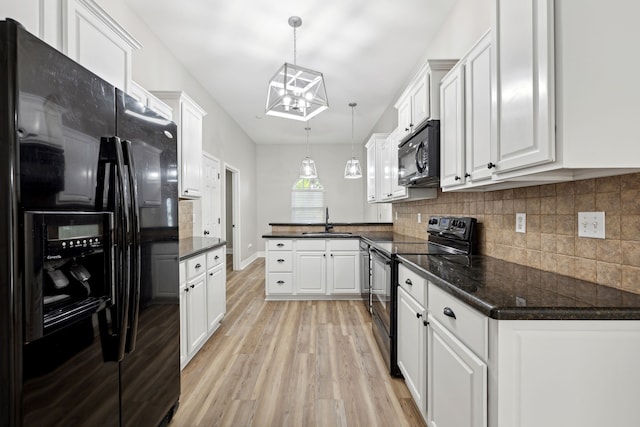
point(525, 72)
point(372, 193)
point(566, 93)
point(189, 117)
point(421, 99)
point(83, 31)
point(467, 131)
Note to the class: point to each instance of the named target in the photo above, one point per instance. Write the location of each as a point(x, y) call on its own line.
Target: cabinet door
point(525, 83)
point(397, 191)
point(412, 348)
point(384, 173)
point(457, 381)
point(311, 276)
point(404, 116)
point(184, 321)
point(452, 129)
point(216, 296)
point(344, 272)
point(191, 149)
point(420, 107)
point(93, 39)
point(371, 171)
point(197, 313)
point(479, 130)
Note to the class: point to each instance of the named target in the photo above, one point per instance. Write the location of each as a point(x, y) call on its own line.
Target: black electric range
point(448, 236)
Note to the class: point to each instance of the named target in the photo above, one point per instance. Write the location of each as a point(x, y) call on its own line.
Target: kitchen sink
point(327, 233)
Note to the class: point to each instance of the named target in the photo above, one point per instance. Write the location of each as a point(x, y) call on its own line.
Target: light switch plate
point(521, 223)
point(591, 224)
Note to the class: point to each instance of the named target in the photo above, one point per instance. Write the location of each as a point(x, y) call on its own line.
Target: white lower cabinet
point(312, 268)
point(457, 381)
point(202, 300)
point(412, 358)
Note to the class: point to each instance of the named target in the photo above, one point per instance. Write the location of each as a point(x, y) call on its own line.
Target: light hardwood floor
point(286, 363)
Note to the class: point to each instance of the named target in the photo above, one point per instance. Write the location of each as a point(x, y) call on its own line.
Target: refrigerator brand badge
point(54, 256)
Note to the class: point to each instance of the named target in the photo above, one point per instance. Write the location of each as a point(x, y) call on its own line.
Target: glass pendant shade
point(308, 169)
point(296, 93)
point(352, 170)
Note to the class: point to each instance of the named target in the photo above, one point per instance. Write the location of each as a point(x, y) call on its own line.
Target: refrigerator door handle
point(132, 329)
point(111, 153)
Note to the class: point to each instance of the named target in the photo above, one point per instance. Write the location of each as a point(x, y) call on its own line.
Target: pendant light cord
point(353, 106)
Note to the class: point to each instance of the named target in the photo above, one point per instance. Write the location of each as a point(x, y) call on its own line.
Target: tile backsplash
point(185, 218)
point(551, 241)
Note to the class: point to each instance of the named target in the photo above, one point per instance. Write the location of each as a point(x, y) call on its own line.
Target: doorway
point(232, 217)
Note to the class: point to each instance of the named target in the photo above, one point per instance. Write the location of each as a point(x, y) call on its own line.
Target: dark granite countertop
point(321, 224)
point(192, 246)
point(504, 290)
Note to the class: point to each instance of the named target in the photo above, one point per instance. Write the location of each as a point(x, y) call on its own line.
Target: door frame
point(235, 205)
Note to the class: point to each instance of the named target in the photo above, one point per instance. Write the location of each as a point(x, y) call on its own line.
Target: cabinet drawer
point(344, 244)
point(280, 261)
point(279, 245)
point(280, 283)
point(469, 326)
point(215, 257)
point(196, 266)
point(311, 244)
point(413, 283)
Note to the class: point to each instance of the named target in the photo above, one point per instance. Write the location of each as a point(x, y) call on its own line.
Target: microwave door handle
point(419, 149)
point(134, 274)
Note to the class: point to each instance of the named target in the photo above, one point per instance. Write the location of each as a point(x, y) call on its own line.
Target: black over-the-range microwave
point(419, 157)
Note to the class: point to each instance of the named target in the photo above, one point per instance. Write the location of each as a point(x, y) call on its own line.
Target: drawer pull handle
point(408, 282)
point(448, 312)
point(280, 282)
point(280, 245)
point(280, 260)
point(198, 265)
point(216, 257)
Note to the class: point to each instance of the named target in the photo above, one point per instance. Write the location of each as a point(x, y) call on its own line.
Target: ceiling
point(366, 49)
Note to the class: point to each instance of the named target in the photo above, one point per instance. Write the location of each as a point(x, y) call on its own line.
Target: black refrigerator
point(89, 304)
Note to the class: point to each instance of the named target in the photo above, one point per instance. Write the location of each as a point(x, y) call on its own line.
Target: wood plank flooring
point(291, 363)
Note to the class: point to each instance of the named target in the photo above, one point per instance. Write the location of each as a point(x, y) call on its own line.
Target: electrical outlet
point(396, 215)
point(419, 218)
point(591, 224)
point(250, 245)
point(521, 223)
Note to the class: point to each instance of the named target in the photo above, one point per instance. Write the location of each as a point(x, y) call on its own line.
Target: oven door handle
point(384, 258)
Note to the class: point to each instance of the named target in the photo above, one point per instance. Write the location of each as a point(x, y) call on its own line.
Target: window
point(307, 201)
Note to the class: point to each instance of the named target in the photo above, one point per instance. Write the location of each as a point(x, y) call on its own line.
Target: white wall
point(279, 169)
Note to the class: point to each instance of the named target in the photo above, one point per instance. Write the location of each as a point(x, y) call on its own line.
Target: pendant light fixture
point(296, 92)
point(352, 169)
point(308, 166)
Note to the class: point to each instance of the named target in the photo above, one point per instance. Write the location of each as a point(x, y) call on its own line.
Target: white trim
point(103, 16)
point(246, 262)
point(220, 193)
point(261, 254)
point(238, 264)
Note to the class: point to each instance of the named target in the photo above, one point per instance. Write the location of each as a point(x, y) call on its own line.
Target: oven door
point(407, 165)
point(381, 289)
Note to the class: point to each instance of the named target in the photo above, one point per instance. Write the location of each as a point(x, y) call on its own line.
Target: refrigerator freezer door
point(150, 371)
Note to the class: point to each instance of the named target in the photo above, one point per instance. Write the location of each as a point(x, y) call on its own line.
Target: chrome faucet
point(327, 226)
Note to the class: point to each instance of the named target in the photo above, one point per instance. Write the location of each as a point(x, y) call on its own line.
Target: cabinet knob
point(192, 286)
point(198, 266)
point(467, 174)
point(216, 257)
point(186, 289)
point(406, 129)
point(280, 260)
point(210, 274)
point(491, 165)
point(457, 178)
point(425, 323)
point(206, 232)
point(324, 255)
point(408, 282)
point(186, 191)
point(418, 315)
point(280, 282)
point(331, 255)
point(448, 312)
